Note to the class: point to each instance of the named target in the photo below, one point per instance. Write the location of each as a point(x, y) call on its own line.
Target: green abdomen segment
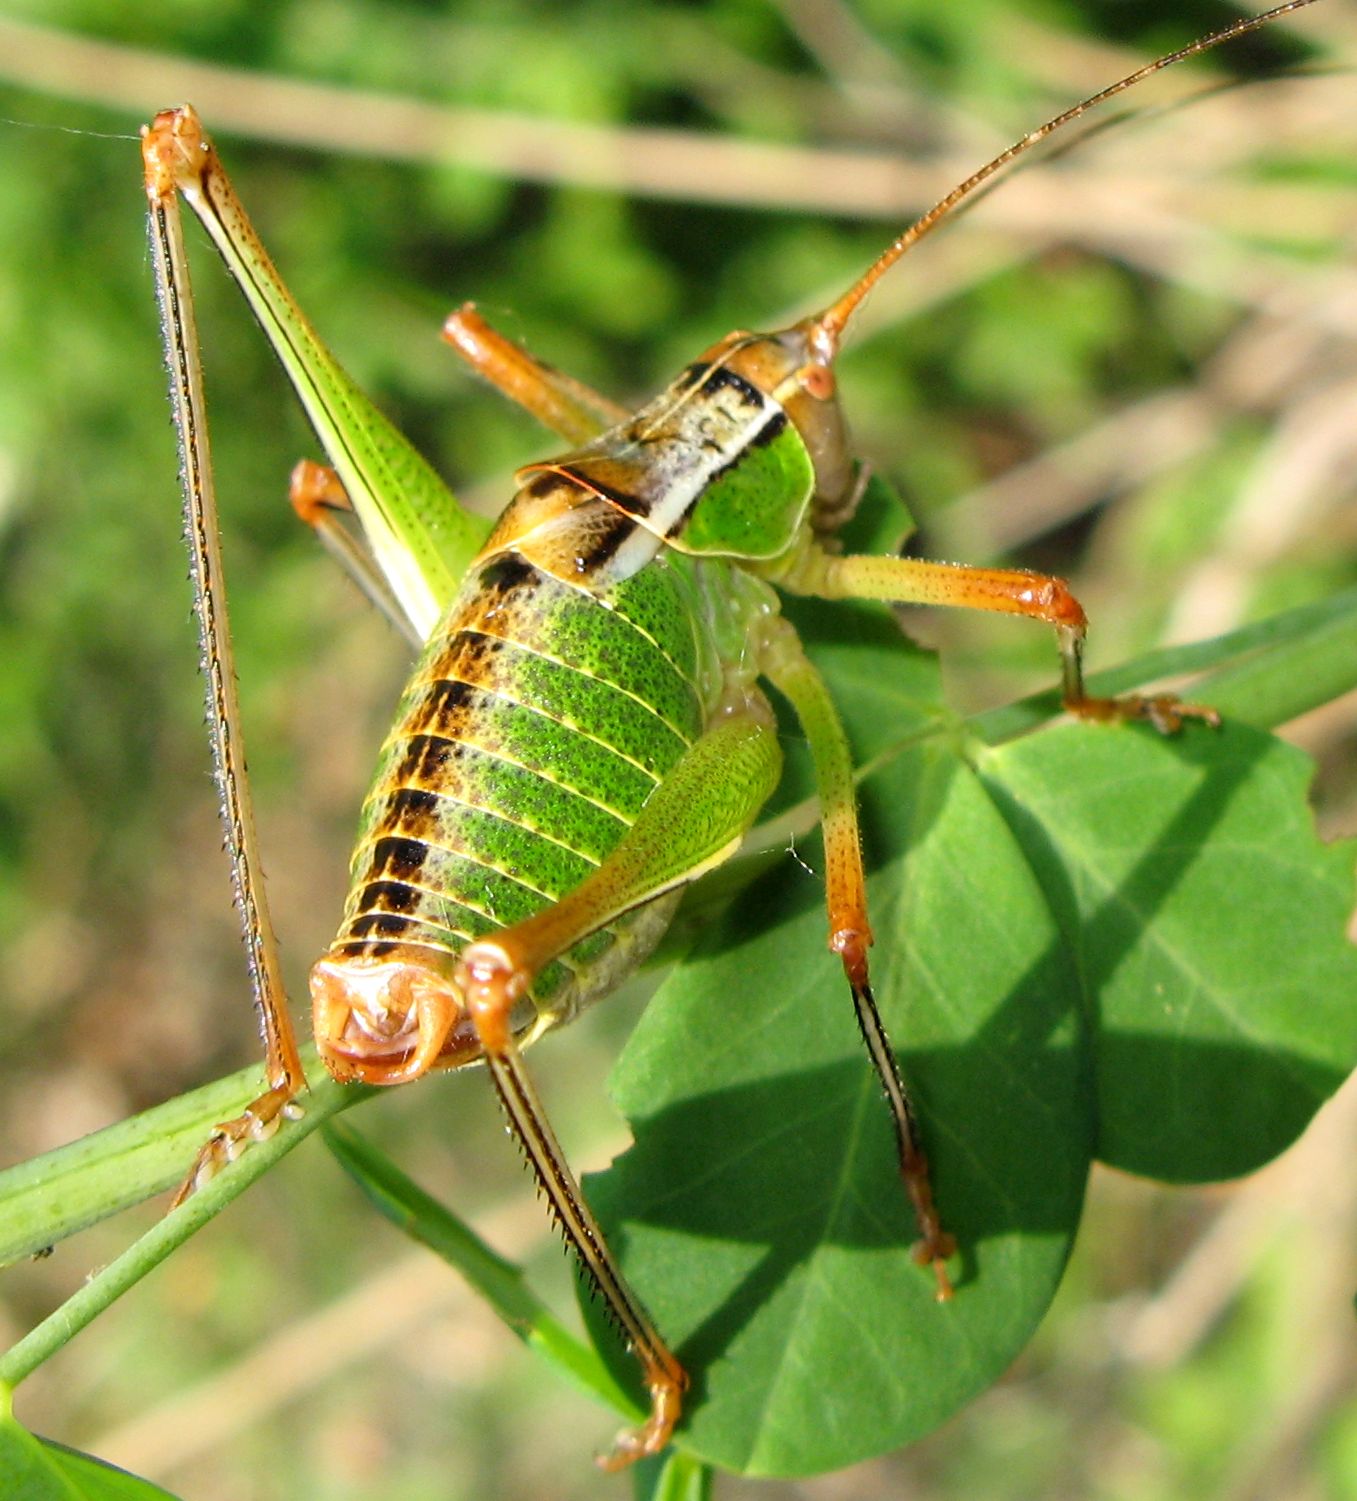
point(534, 728)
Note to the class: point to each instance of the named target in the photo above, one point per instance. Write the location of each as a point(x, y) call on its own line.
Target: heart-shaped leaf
point(1166, 896)
point(760, 1212)
point(1208, 920)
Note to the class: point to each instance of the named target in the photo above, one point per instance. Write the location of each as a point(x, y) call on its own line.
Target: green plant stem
point(101, 1168)
point(503, 1286)
point(1265, 673)
point(673, 1476)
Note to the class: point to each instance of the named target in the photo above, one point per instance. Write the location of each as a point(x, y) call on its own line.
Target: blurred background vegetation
point(1134, 363)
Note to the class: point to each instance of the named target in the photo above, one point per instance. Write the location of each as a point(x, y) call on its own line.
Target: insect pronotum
point(584, 732)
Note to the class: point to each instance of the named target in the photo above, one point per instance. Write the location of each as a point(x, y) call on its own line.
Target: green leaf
point(499, 1282)
point(888, 691)
point(110, 1169)
point(1166, 896)
point(1208, 923)
point(1169, 897)
point(760, 1212)
point(881, 523)
point(50, 1197)
point(673, 1476)
point(32, 1469)
point(1288, 664)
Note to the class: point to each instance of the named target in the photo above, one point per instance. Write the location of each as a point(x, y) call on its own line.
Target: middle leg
point(1010, 591)
point(784, 660)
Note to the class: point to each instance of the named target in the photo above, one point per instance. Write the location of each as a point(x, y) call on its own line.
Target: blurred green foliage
point(123, 973)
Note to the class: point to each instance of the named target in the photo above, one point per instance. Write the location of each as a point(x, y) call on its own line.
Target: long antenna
point(825, 330)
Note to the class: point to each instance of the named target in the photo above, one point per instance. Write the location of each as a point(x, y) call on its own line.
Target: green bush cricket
point(585, 733)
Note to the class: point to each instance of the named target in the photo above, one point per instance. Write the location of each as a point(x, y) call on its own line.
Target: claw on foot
point(228, 1141)
point(935, 1246)
point(666, 1403)
point(935, 1252)
point(1165, 711)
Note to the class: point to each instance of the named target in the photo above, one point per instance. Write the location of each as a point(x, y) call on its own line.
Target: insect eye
point(817, 381)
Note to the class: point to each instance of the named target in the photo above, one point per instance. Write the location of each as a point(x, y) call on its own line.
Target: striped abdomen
point(538, 721)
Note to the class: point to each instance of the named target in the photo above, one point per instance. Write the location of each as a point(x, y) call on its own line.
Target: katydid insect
point(585, 732)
